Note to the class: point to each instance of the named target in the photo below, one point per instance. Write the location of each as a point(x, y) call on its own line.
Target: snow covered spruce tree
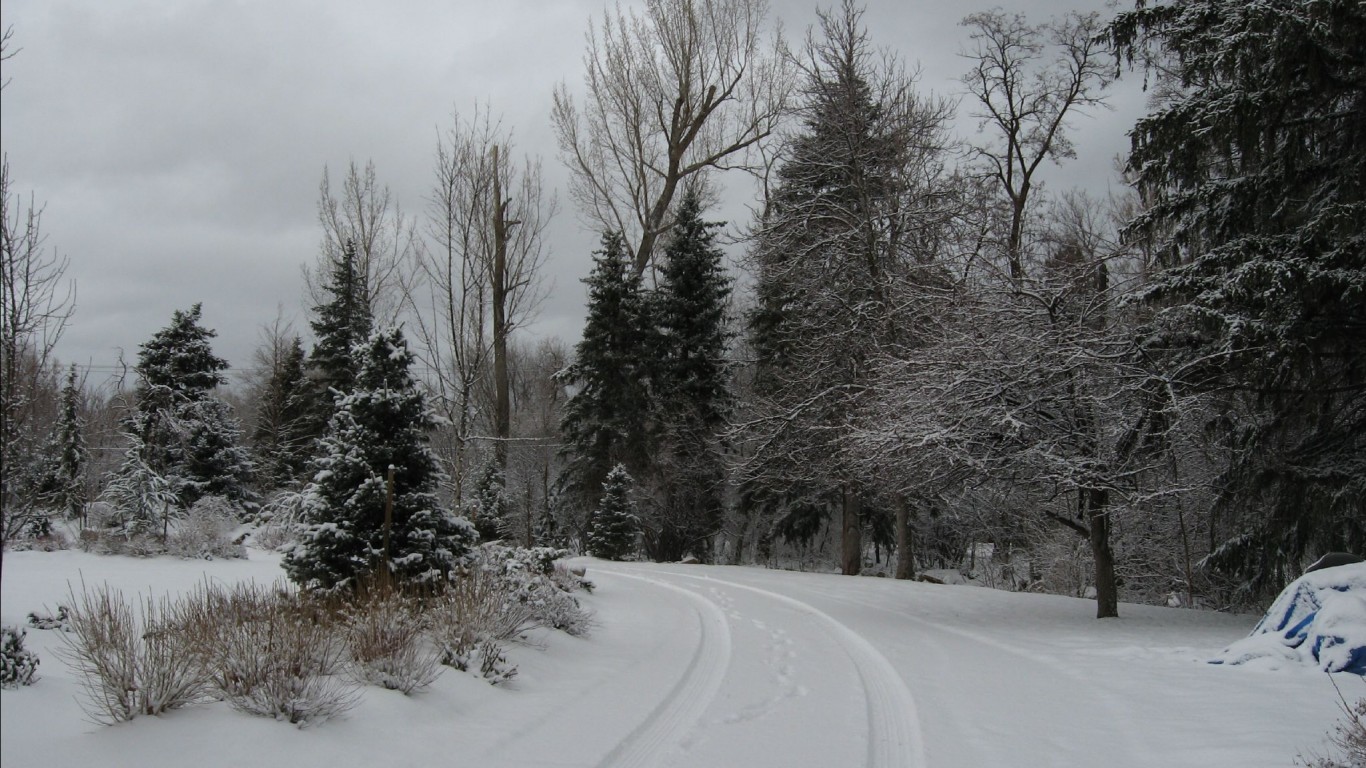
point(382, 424)
point(1252, 162)
point(489, 507)
point(341, 325)
point(614, 525)
point(73, 457)
point(178, 429)
point(607, 418)
point(853, 215)
point(692, 393)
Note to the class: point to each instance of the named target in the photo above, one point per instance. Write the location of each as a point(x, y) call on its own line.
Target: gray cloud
point(179, 144)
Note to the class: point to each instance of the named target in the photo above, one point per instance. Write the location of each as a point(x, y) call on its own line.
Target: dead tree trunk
point(502, 410)
point(851, 539)
point(905, 560)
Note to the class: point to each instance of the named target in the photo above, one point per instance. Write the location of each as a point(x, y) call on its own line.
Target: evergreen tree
point(615, 525)
point(140, 496)
point(1252, 163)
point(489, 507)
point(843, 229)
point(74, 457)
point(690, 318)
point(607, 419)
point(382, 424)
point(281, 437)
point(340, 325)
point(692, 393)
point(180, 430)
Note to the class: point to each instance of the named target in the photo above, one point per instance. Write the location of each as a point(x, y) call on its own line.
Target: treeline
point(935, 360)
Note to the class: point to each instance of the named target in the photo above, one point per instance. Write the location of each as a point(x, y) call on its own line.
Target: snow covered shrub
point(278, 521)
point(384, 636)
point(130, 667)
point(18, 665)
point(570, 579)
point(206, 531)
point(527, 576)
point(61, 620)
point(271, 652)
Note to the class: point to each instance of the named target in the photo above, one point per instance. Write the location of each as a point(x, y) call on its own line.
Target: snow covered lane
point(797, 684)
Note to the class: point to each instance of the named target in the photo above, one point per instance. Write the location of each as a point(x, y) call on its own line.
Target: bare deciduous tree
point(384, 237)
point(685, 87)
point(478, 280)
point(36, 302)
point(1028, 80)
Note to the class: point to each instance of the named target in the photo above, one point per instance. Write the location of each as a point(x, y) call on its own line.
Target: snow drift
point(1319, 620)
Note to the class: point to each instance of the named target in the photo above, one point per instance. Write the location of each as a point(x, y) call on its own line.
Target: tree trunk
point(502, 414)
point(905, 560)
point(851, 540)
point(1097, 501)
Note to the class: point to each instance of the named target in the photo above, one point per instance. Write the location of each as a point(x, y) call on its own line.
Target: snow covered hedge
point(1319, 619)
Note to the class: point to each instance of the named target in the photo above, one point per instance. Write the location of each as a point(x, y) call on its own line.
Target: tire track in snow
point(894, 735)
point(670, 721)
point(1114, 703)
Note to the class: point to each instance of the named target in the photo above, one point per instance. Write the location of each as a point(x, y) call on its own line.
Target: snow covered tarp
point(1319, 620)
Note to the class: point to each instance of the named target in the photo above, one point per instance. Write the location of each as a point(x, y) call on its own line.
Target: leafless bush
point(385, 638)
point(206, 531)
point(493, 666)
point(278, 520)
point(271, 652)
point(1348, 738)
point(127, 666)
point(477, 606)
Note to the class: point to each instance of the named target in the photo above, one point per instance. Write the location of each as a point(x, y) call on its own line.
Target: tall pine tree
point(837, 236)
point(1254, 167)
point(607, 419)
point(340, 325)
point(73, 456)
point(384, 423)
point(281, 435)
point(692, 387)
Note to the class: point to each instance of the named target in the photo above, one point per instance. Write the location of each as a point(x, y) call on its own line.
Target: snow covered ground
point(716, 666)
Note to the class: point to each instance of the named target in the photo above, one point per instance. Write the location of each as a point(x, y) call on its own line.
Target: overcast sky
point(178, 144)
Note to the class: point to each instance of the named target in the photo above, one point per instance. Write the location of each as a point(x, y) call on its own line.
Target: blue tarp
point(1319, 619)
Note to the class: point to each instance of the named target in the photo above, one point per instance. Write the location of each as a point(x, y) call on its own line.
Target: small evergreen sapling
point(613, 530)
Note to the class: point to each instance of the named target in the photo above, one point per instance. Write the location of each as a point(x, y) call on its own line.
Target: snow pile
point(1319, 620)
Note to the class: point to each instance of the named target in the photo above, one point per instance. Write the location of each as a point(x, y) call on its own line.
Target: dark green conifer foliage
point(1254, 166)
point(73, 457)
point(281, 437)
point(833, 239)
point(383, 423)
point(490, 506)
point(692, 392)
point(182, 431)
point(607, 420)
point(615, 525)
point(339, 325)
